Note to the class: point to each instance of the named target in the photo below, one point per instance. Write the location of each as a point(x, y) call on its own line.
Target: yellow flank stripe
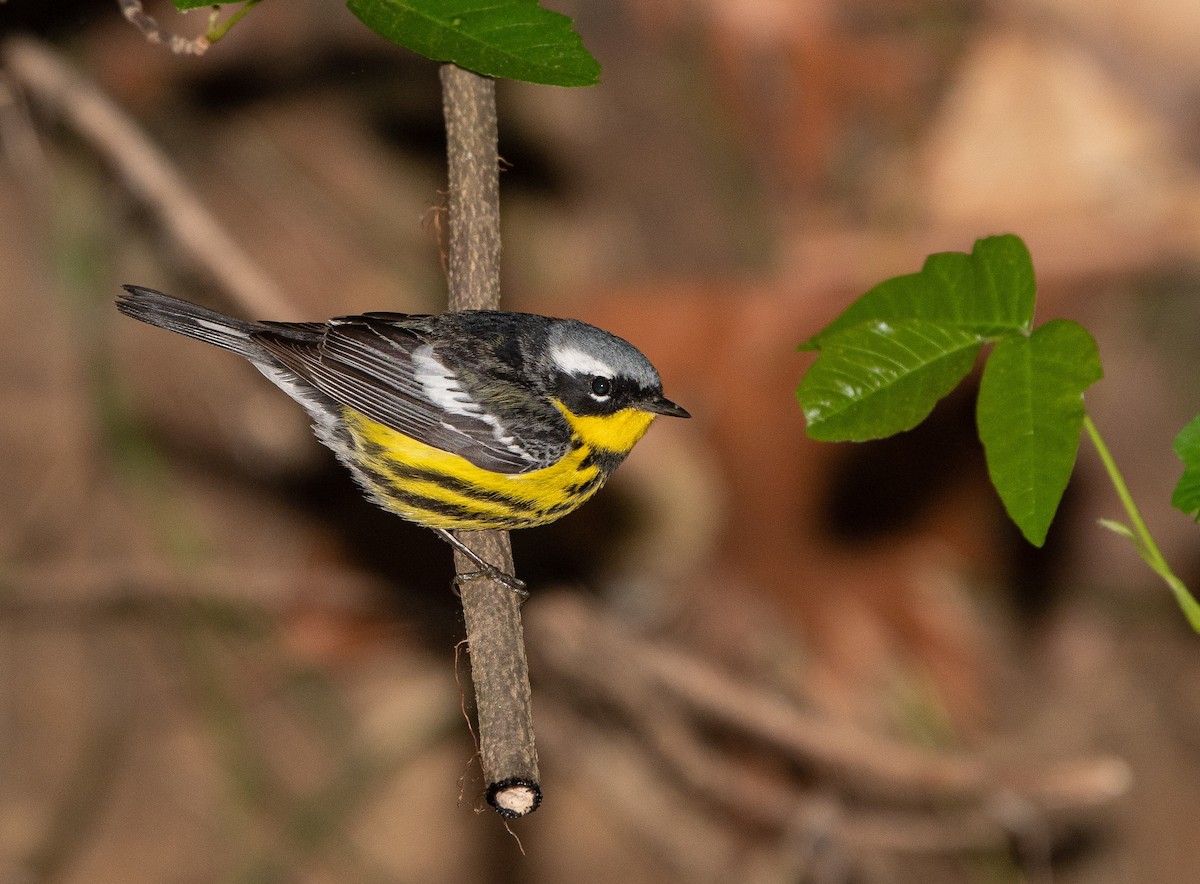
point(444, 490)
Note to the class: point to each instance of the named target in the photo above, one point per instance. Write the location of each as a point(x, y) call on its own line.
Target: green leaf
point(516, 39)
point(185, 5)
point(1030, 414)
point(1187, 493)
point(989, 292)
point(879, 378)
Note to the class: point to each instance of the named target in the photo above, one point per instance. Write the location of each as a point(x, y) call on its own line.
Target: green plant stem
point(216, 32)
point(1139, 533)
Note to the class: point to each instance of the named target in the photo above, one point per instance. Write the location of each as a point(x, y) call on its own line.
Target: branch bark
point(492, 611)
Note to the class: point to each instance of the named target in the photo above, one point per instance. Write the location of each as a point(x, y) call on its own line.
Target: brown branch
point(811, 835)
point(137, 581)
point(492, 611)
point(55, 86)
point(801, 832)
point(760, 797)
point(469, 103)
point(676, 701)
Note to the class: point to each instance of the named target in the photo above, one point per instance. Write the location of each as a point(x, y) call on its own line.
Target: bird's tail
point(189, 319)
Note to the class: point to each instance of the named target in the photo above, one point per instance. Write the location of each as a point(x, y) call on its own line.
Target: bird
point(463, 420)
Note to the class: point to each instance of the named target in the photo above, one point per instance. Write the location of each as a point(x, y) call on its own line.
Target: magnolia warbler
point(464, 420)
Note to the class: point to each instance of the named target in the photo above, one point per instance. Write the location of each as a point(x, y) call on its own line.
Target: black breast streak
point(585, 487)
point(603, 460)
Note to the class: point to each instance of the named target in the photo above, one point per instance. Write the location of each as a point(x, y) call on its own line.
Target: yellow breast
point(443, 490)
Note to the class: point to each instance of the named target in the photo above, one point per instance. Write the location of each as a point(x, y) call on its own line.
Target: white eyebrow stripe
point(575, 361)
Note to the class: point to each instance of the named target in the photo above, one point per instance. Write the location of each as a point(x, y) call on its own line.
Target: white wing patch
point(440, 386)
point(574, 361)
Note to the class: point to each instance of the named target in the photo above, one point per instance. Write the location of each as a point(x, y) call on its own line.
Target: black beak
point(663, 405)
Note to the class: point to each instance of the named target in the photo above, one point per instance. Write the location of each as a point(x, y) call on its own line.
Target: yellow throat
point(616, 433)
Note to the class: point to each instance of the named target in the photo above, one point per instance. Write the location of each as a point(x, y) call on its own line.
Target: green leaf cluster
point(887, 360)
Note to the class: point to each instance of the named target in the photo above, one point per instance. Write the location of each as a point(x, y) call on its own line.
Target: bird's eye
point(601, 387)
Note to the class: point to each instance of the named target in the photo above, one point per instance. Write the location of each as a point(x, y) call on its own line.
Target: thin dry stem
point(491, 610)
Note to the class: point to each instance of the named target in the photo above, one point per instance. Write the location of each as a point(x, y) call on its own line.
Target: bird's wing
point(387, 367)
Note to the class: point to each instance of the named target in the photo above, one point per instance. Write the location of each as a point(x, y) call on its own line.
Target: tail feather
point(189, 319)
point(241, 337)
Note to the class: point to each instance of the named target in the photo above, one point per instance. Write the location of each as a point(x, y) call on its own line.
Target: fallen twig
point(794, 773)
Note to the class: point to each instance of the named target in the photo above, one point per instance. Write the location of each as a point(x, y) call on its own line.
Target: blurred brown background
point(217, 663)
